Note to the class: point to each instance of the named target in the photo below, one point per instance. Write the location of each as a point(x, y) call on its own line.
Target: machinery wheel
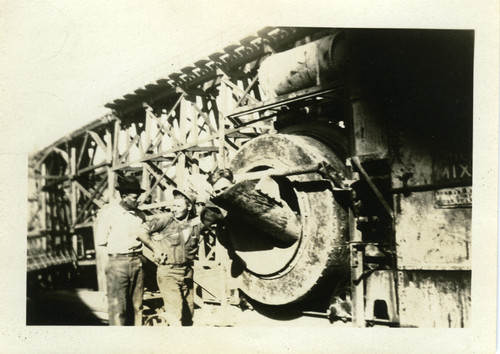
point(279, 274)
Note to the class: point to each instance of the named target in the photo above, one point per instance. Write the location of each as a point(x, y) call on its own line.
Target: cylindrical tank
point(280, 273)
point(302, 67)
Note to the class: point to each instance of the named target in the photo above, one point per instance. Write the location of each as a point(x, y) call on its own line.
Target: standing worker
point(177, 235)
point(120, 228)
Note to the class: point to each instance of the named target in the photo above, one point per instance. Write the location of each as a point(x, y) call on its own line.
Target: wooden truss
point(166, 134)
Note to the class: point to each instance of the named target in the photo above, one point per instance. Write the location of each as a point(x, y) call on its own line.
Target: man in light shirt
point(120, 228)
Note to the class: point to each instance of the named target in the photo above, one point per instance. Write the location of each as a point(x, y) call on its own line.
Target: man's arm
point(158, 222)
point(145, 237)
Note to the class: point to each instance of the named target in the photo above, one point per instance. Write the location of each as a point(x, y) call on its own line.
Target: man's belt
point(177, 265)
point(130, 254)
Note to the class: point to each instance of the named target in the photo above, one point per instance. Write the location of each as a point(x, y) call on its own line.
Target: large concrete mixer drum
point(306, 237)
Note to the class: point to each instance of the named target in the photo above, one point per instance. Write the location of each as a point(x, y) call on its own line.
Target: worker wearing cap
point(119, 227)
point(176, 234)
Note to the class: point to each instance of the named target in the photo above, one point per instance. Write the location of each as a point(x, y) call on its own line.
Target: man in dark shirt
point(176, 235)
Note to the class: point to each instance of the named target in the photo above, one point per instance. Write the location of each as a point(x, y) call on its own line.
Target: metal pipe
point(298, 170)
point(269, 215)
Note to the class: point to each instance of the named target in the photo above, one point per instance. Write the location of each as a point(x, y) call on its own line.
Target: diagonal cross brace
point(374, 188)
point(205, 117)
point(163, 128)
point(101, 144)
point(244, 93)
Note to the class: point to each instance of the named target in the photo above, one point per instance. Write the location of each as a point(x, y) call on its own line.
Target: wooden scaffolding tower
point(169, 134)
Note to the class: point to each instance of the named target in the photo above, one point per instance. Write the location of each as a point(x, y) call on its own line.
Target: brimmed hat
point(129, 184)
point(189, 195)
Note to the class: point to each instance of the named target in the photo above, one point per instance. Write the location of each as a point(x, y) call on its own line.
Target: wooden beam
point(46, 177)
point(62, 153)
point(94, 195)
point(63, 212)
point(101, 144)
point(160, 175)
point(90, 168)
point(94, 151)
point(42, 159)
point(140, 143)
point(246, 92)
point(54, 226)
point(181, 171)
point(148, 119)
point(114, 159)
point(194, 126)
point(116, 142)
point(200, 112)
point(109, 145)
point(131, 143)
point(205, 117)
point(222, 140)
point(195, 167)
point(43, 201)
point(224, 97)
point(242, 94)
point(82, 150)
point(163, 129)
point(190, 145)
point(159, 179)
point(88, 194)
point(73, 186)
point(185, 105)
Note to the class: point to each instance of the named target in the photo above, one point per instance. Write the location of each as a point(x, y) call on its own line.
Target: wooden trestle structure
point(165, 133)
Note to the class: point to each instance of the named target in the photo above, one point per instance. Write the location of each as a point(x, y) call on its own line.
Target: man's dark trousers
point(125, 285)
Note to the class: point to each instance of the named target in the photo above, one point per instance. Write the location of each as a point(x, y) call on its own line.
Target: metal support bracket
point(374, 188)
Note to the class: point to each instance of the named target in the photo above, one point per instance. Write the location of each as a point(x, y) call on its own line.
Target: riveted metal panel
point(430, 237)
point(434, 299)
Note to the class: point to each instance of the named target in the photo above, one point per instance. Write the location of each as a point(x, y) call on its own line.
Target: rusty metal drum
point(309, 65)
point(278, 272)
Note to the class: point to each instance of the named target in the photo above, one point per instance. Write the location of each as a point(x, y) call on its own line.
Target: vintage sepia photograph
point(301, 174)
point(308, 177)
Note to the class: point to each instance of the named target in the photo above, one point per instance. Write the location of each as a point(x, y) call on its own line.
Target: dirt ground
point(86, 307)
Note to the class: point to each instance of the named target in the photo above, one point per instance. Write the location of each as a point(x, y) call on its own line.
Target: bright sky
point(66, 59)
point(62, 60)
